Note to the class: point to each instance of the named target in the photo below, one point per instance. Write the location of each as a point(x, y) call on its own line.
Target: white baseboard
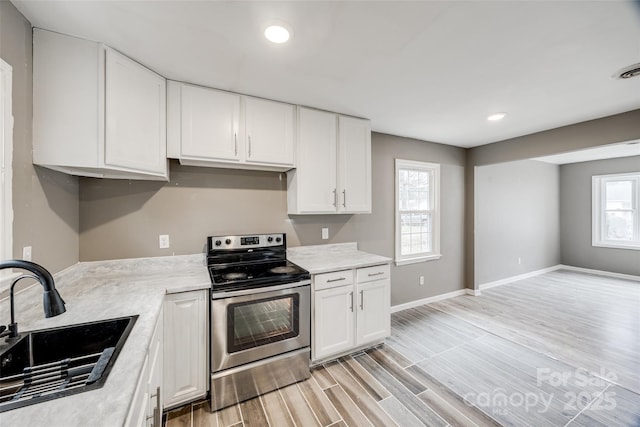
point(428, 300)
point(601, 272)
point(512, 279)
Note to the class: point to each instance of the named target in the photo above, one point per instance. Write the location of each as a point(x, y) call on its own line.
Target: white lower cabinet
point(146, 406)
point(334, 321)
point(185, 347)
point(351, 310)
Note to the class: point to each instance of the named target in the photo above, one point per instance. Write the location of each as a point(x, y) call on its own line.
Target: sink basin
point(51, 363)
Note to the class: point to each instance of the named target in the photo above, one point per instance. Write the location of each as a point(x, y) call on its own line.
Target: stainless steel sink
point(51, 363)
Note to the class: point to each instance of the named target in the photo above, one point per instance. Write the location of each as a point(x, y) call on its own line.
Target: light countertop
point(324, 258)
point(97, 291)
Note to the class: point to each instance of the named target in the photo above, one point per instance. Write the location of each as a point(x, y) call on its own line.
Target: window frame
point(434, 191)
point(599, 208)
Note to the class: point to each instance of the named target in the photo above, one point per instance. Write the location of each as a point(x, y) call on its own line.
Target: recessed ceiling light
point(276, 34)
point(496, 116)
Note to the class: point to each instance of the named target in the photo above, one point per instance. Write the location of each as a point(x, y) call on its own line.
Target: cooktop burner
point(234, 276)
point(286, 269)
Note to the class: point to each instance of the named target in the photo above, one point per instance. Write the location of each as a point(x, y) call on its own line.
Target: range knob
point(228, 241)
point(278, 239)
point(218, 242)
point(269, 239)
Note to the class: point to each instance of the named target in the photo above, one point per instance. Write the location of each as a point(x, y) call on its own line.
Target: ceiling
point(431, 70)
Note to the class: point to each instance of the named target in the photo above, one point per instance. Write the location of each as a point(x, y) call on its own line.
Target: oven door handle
point(254, 291)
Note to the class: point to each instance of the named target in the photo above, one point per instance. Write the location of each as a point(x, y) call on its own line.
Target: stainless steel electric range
point(260, 317)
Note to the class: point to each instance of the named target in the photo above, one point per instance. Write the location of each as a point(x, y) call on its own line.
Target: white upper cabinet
point(269, 131)
point(209, 127)
point(96, 112)
point(354, 161)
point(208, 123)
point(313, 185)
point(333, 172)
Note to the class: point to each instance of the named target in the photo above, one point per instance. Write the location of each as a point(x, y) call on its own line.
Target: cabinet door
point(354, 175)
point(185, 347)
point(210, 123)
point(333, 321)
point(137, 416)
point(316, 162)
point(269, 129)
point(135, 116)
point(373, 318)
point(154, 383)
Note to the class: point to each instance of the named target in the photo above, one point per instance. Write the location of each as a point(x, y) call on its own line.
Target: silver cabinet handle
point(335, 197)
point(336, 280)
point(375, 274)
point(344, 198)
point(235, 144)
point(351, 295)
point(157, 421)
point(361, 300)
point(249, 140)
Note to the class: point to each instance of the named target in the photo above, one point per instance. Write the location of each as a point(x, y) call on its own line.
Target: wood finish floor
point(560, 349)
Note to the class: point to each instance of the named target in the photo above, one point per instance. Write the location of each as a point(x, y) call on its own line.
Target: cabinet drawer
point(369, 274)
point(332, 280)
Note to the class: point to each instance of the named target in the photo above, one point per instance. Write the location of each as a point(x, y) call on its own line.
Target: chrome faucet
point(52, 301)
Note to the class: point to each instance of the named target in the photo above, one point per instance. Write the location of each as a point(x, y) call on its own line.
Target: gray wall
point(607, 130)
point(45, 203)
point(575, 217)
point(122, 219)
point(517, 217)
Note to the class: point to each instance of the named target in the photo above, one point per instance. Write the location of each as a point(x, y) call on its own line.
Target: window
point(417, 211)
point(616, 214)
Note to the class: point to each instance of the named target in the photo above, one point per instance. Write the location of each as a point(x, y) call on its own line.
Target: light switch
point(325, 233)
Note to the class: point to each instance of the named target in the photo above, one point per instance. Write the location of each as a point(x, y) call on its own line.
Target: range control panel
point(248, 241)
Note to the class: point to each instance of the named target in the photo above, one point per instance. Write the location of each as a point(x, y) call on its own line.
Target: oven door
point(251, 325)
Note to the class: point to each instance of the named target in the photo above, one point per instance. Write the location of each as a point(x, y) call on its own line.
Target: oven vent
point(628, 72)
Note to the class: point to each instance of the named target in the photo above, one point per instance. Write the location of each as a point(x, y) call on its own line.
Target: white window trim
point(597, 223)
point(6, 145)
point(435, 254)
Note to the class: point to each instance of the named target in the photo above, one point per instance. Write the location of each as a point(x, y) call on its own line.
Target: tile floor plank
point(367, 404)
point(400, 414)
point(456, 401)
point(347, 409)
point(319, 403)
point(229, 416)
point(393, 368)
point(202, 415)
point(370, 384)
point(322, 377)
point(276, 410)
point(253, 413)
point(180, 417)
point(298, 407)
point(395, 387)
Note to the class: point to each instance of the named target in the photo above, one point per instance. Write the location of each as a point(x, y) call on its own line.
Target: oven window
point(255, 323)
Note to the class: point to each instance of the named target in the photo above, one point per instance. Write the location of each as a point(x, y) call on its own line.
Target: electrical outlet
point(163, 239)
point(421, 280)
point(26, 253)
point(519, 261)
point(325, 233)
